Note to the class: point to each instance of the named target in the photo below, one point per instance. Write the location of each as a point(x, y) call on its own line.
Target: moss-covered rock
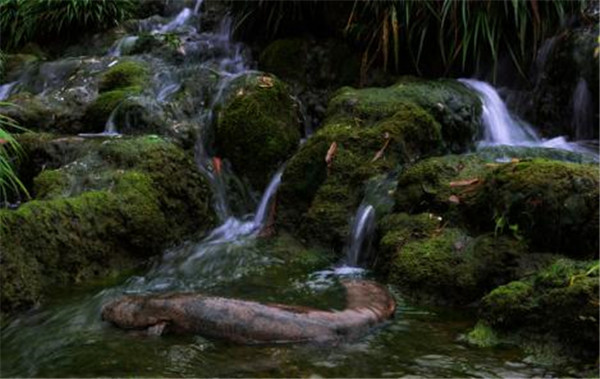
point(482, 336)
point(99, 111)
point(456, 108)
point(322, 199)
point(451, 267)
point(258, 128)
point(122, 75)
point(431, 184)
point(99, 213)
point(560, 300)
point(398, 229)
point(554, 204)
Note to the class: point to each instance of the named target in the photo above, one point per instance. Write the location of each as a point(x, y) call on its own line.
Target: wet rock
point(557, 101)
point(449, 267)
point(560, 300)
point(456, 108)
point(258, 127)
point(123, 74)
point(321, 196)
point(553, 204)
point(100, 212)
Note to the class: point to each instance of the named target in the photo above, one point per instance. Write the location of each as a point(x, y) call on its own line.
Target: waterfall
point(5, 90)
point(583, 111)
point(361, 236)
point(226, 252)
point(178, 21)
point(501, 128)
point(122, 46)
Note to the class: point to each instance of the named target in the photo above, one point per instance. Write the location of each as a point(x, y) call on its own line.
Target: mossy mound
point(454, 106)
point(99, 111)
point(560, 300)
point(398, 229)
point(44, 114)
point(553, 204)
point(258, 128)
point(451, 267)
point(122, 75)
point(100, 213)
point(322, 199)
point(437, 184)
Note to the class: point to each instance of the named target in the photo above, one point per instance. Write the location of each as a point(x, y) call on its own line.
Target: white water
point(583, 111)
point(5, 90)
point(501, 128)
point(122, 46)
point(178, 21)
point(361, 235)
point(225, 254)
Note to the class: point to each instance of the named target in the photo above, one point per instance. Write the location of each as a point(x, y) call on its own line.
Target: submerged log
point(368, 304)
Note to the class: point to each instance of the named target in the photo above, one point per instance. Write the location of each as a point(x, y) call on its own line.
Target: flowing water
point(500, 127)
point(66, 337)
point(361, 236)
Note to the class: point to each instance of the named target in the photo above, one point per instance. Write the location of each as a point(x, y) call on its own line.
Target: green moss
point(311, 191)
point(98, 112)
point(482, 336)
point(258, 128)
point(397, 230)
point(554, 204)
point(99, 214)
point(286, 58)
point(455, 107)
point(426, 186)
point(560, 300)
point(450, 267)
point(49, 184)
point(123, 75)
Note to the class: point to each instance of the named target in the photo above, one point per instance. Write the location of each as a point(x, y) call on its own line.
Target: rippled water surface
point(67, 337)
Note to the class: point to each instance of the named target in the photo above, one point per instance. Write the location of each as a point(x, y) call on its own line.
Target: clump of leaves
point(10, 154)
point(24, 20)
point(463, 31)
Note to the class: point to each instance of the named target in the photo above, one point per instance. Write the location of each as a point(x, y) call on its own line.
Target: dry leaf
point(331, 153)
point(463, 183)
point(379, 154)
point(265, 81)
point(454, 199)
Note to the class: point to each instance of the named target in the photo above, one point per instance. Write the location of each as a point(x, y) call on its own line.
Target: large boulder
point(551, 203)
point(456, 108)
point(560, 300)
point(258, 127)
point(99, 213)
point(321, 196)
point(449, 267)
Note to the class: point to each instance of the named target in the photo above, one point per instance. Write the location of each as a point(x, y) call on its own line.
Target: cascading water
point(501, 128)
point(5, 90)
point(583, 114)
point(361, 235)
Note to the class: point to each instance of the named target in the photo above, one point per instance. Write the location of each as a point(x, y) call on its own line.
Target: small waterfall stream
point(361, 236)
point(500, 127)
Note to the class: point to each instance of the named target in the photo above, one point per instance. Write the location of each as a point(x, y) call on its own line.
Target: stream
point(66, 337)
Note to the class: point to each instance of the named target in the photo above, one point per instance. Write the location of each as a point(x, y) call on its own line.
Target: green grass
point(26, 20)
point(10, 153)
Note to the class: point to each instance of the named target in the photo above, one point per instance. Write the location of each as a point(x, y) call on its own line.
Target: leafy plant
point(24, 20)
point(462, 30)
point(417, 34)
point(10, 153)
